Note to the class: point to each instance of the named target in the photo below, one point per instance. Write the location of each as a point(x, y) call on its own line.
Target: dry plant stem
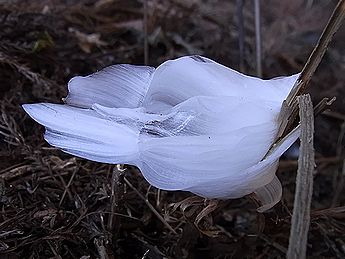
point(339, 188)
point(334, 115)
point(309, 4)
point(304, 182)
point(330, 241)
point(146, 45)
point(26, 72)
point(116, 194)
point(159, 216)
point(239, 12)
point(285, 115)
point(258, 38)
point(289, 107)
point(158, 198)
point(323, 105)
point(288, 115)
point(101, 248)
point(211, 206)
point(318, 52)
point(332, 212)
point(338, 177)
point(276, 245)
point(67, 188)
point(56, 255)
point(341, 136)
point(339, 180)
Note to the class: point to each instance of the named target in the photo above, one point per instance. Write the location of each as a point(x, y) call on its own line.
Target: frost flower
point(190, 124)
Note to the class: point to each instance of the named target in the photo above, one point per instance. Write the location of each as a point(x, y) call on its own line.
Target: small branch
point(34, 77)
point(146, 45)
point(239, 14)
point(276, 245)
point(67, 188)
point(102, 252)
point(318, 52)
point(323, 105)
point(289, 120)
point(159, 216)
point(116, 194)
point(289, 109)
point(334, 115)
point(258, 48)
point(339, 188)
point(304, 182)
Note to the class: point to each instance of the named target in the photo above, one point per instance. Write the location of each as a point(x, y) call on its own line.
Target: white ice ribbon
point(191, 124)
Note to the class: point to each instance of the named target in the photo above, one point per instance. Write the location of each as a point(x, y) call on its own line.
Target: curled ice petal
point(247, 181)
point(270, 194)
point(85, 133)
point(192, 162)
point(115, 86)
point(178, 80)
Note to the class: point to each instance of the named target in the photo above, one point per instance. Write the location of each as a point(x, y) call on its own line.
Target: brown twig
point(304, 182)
point(34, 77)
point(332, 212)
point(258, 38)
point(146, 45)
point(288, 115)
point(339, 187)
point(334, 115)
point(276, 245)
point(67, 187)
point(116, 193)
point(323, 105)
point(102, 252)
point(159, 216)
point(318, 52)
point(240, 24)
point(289, 108)
point(339, 149)
point(56, 255)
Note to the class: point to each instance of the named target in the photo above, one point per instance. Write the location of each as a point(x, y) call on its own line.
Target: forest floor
point(54, 205)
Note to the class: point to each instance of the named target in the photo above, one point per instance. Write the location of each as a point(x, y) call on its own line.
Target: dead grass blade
point(318, 52)
point(240, 22)
point(116, 194)
point(304, 182)
point(337, 212)
point(102, 252)
point(146, 44)
point(258, 48)
point(35, 78)
point(187, 203)
point(159, 216)
point(206, 212)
